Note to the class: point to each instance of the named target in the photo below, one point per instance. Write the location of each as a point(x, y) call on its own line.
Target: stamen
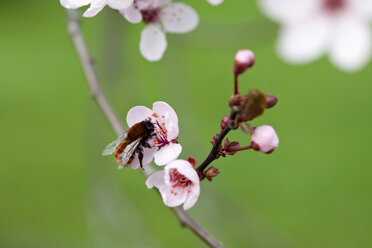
point(179, 180)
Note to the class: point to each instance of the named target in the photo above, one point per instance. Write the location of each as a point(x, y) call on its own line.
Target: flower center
point(179, 181)
point(161, 132)
point(334, 5)
point(150, 15)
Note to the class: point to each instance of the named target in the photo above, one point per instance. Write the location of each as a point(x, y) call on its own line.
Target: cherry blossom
point(178, 184)
point(161, 17)
point(215, 2)
point(165, 147)
point(95, 5)
point(264, 139)
point(311, 28)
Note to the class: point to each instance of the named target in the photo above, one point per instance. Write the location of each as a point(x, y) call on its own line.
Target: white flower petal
point(215, 2)
point(95, 7)
point(138, 114)
point(74, 4)
point(161, 108)
point(119, 4)
point(167, 154)
point(143, 4)
point(185, 168)
point(192, 197)
point(173, 197)
point(363, 8)
point(155, 180)
point(132, 14)
point(179, 18)
point(153, 43)
point(303, 42)
point(351, 46)
point(289, 10)
point(171, 124)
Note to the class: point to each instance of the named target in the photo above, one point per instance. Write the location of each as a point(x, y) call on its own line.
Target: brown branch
point(86, 61)
point(214, 153)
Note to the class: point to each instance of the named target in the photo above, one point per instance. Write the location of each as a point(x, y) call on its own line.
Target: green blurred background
point(57, 190)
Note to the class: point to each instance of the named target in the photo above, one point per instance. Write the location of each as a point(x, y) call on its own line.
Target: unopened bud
point(243, 59)
point(271, 100)
point(264, 139)
point(192, 161)
point(211, 172)
point(225, 121)
point(253, 105)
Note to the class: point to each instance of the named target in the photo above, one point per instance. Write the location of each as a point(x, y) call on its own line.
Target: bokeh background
point(57, 190)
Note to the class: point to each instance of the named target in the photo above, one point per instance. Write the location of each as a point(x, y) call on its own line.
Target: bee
point(131, 142)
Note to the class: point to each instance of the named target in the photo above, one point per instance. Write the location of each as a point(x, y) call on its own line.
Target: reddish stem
point(240, 148)
point(236, 84)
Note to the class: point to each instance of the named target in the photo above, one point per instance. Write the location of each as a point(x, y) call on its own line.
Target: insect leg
point(140, 158)
point(146, 145)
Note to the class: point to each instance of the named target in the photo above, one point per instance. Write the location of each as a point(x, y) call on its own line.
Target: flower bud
point(271, 100)
point(225, 121)
point(243, 59)
point(264, 139)
point(211, 172)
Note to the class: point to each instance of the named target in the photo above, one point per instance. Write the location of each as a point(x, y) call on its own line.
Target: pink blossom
point(165, 147)
point(264, 139)
point(95, 5)
point(178, 184)
point(161, 17)
point(244, 59)
point(311, 28)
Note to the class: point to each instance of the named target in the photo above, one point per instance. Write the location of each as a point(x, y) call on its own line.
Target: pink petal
point(138, 114)
point(305, 41)
point(192, 197)
point(132, 14)
point(74, 4)
point(179, 18)
point(167, 154)
point(95, 7)
point(153, 42)
point(171, 123)
point(161, 108)
point(351, 45)
point(155, 180)
point(265, 137)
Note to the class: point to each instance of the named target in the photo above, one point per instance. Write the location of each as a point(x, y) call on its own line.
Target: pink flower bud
point(243, 59)
point(271, 100)
point(264, 139)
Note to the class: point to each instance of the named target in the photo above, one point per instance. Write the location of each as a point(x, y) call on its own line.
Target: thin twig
point(214, 153)
point(97, 93)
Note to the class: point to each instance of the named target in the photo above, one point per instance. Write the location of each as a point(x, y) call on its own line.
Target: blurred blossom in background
point(310, 28)
point(314, 190)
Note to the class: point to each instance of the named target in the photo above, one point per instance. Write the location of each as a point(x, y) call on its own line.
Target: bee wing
point(129, 150)
point(111, 148)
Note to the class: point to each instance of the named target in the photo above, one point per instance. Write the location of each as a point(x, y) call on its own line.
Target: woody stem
point(214, 153)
